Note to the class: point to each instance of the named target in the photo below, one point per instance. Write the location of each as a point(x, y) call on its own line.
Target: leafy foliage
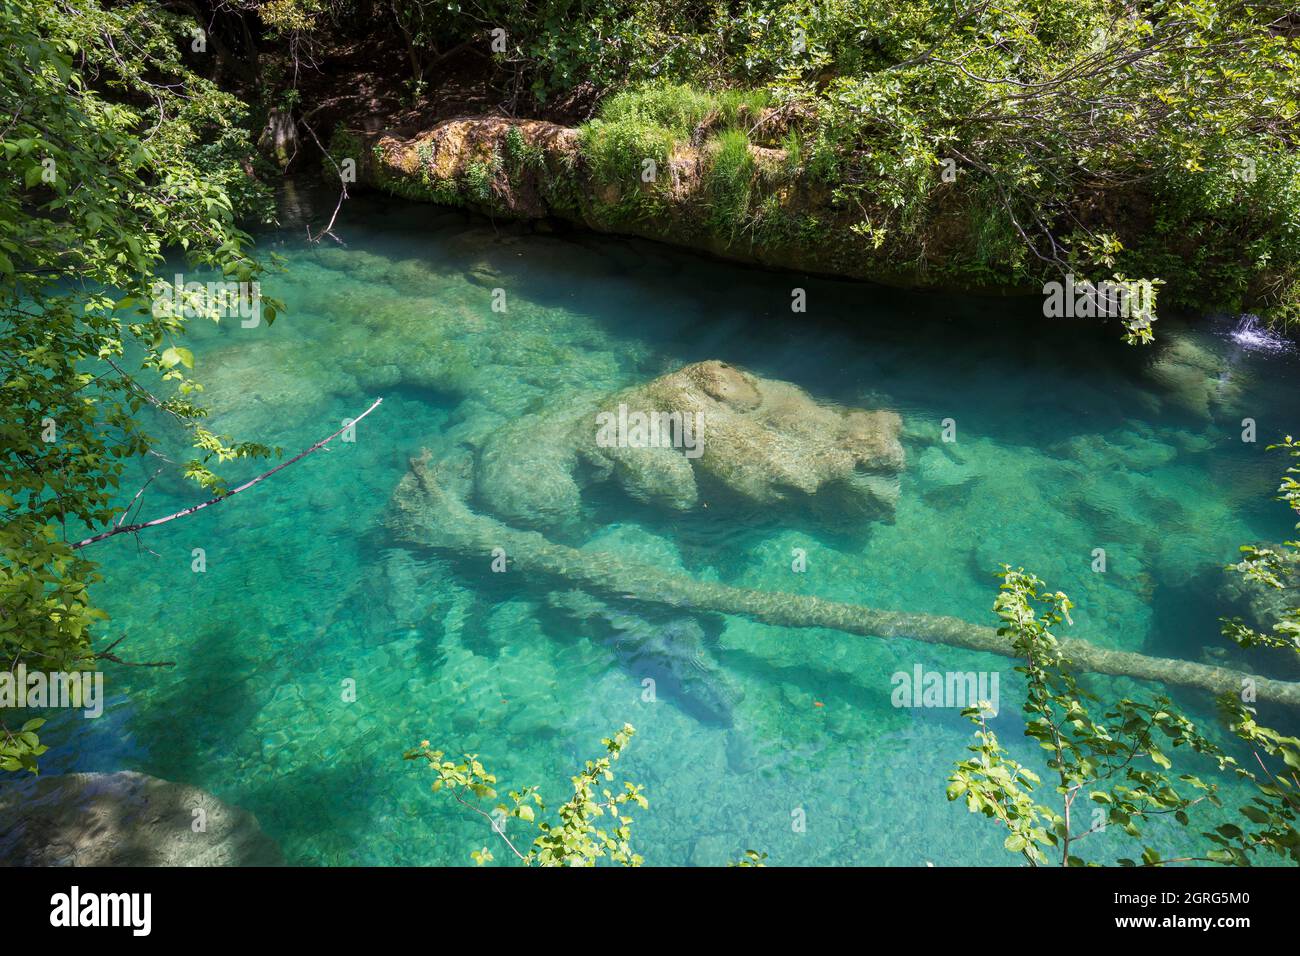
point(105, 136)
point(1089, 137)
point(1276, 809)
point(1108, 761)
point(573, 837)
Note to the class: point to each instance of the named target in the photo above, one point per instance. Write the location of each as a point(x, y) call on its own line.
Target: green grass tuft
point(729, 182)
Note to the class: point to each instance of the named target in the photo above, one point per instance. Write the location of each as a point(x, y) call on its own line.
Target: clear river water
point(1066, 441)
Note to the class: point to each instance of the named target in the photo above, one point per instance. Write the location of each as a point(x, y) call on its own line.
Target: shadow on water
point(199, 707)
point(327, 805)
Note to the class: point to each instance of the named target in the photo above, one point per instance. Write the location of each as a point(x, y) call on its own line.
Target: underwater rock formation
point(125, 819)
point(709, 423)
point(1261, 608)
point(429, 510)
point(673, 653)
point(1191, 377)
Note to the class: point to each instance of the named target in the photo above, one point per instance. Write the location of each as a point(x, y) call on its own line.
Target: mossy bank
point(705, 181)
point(745, 176)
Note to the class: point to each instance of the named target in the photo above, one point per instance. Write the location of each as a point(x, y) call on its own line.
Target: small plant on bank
point(729, 184)
point(478, 177)
point(522, 156)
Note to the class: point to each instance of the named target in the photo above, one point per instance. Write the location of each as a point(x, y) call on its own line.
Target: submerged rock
point(673, 653)
point(742, 756)
point(428, 512)
point(766, 441)
point(125, 819)
point(1192, 377)
point(1262, 608)
point(939, 469)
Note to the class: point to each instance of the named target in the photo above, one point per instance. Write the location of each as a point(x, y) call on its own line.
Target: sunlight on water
point(1066, 442)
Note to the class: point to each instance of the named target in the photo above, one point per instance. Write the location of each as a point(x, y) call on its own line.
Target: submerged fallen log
point(430, 510)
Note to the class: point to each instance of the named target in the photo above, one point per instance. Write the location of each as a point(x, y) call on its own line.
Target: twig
point(107, 655)
point(498, 830)
point(132, 528)
point(343, 191)
point(127, 510)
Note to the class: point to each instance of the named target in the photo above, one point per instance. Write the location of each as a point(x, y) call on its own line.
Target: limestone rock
point(124, 819)
point(1191, 376)
point(279, 138)
point(1261, 607)
point(766, 441)
point(526, 470)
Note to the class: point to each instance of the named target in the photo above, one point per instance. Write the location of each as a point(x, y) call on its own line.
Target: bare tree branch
point(132, 528)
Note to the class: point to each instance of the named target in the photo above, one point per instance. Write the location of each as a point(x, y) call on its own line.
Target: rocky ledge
point(125, 819)
point(764, 210)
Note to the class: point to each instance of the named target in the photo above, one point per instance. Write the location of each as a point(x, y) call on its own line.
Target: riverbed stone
point(125, 819)
point(1191, 376)
point(765, 441)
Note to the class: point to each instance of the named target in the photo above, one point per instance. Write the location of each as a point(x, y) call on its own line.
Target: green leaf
point(176, 354)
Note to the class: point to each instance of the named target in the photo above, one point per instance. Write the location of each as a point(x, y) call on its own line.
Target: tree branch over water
point(133, 528)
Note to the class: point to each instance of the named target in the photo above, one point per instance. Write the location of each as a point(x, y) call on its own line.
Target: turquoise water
point(1067, 441)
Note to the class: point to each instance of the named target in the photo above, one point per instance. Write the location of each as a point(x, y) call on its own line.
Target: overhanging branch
point(132, 528)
